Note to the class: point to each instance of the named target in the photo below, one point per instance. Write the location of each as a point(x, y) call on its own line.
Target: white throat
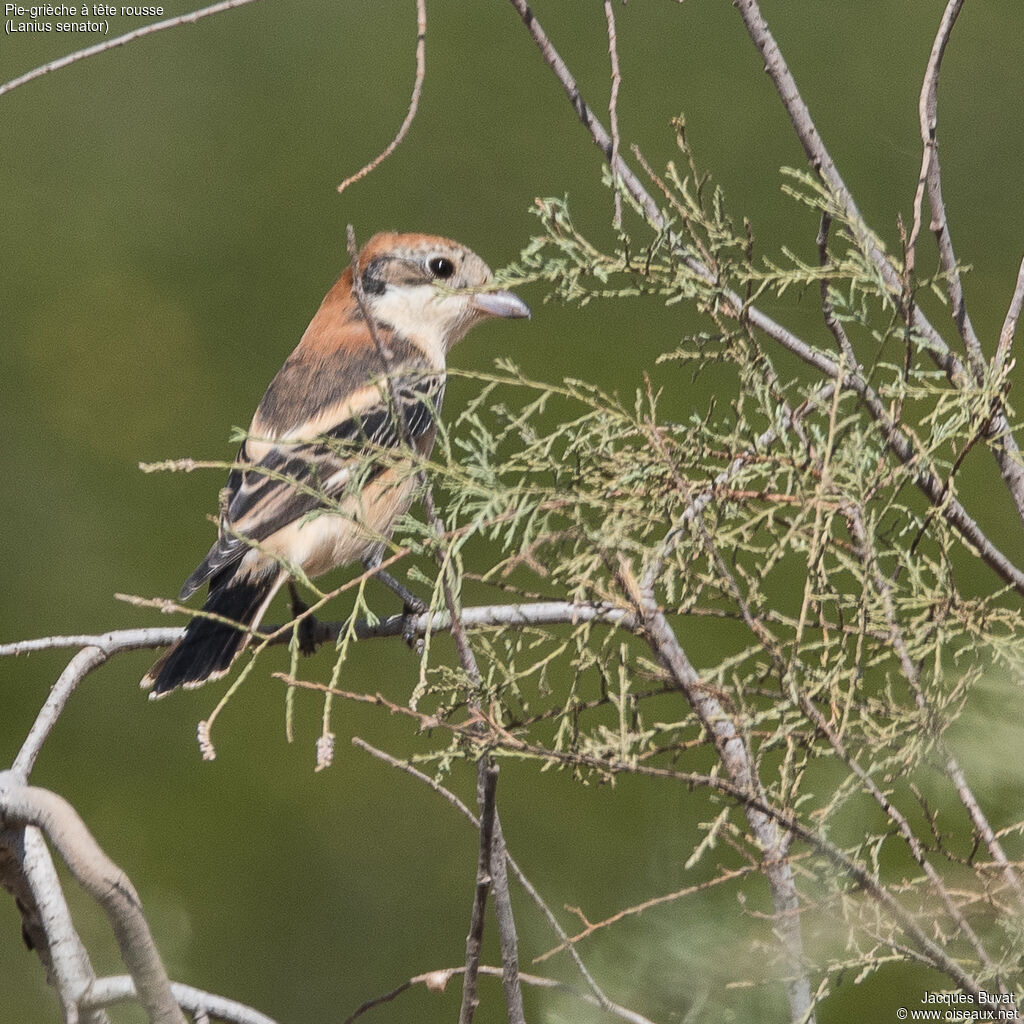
point(429, 318)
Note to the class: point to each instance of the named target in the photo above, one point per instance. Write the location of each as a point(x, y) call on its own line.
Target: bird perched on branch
point(327, 465)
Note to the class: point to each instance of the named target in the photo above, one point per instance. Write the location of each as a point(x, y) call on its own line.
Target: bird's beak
point(503, 304)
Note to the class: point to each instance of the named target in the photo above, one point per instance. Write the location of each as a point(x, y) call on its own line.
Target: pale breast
point(329, 540)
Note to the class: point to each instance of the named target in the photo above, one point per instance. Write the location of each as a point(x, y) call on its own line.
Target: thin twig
point(1011, 466)
point(414, 100)
point(1010, 323)
point(487, 781)
point(436, 981)
point(590, 927)
point(931, 178)
point(1005, 448)
point(613, 108)
point(832, 322)
point(189, 18)
point(527, 885)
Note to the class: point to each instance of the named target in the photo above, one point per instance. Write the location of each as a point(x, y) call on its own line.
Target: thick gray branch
point(23, 806)
point(121, 989)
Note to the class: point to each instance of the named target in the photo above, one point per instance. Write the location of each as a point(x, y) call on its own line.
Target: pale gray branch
point(24, 806)
point(1010, 322)
point(1007, 453)
point(1005, 448)
point(77, 669)
point(121, 989)
point(28, 873)
point(931, 178)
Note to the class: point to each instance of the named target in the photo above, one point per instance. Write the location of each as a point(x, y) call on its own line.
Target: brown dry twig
point(414, 100)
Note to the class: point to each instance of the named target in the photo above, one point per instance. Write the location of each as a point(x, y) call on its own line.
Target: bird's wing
point(277, 482)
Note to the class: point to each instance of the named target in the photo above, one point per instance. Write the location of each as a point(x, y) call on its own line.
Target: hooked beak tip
point(507, 305)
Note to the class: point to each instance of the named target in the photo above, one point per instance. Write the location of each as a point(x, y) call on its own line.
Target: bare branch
point(1010, 323)
point(613, 106)
point(527, 885)
point(931, 177)
point(109, 44)
point(110, 643)
point(28, 873)
point(487, 780)
point(437, 980)
point(586, 115)
point(1007, 453)
point(121, 989)
point(78, 668)
point(507, 936)
point(22, 806)
point(414, 100)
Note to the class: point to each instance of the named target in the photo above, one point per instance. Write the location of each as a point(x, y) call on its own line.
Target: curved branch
point(77, 669)
point(27, 872)
point(95, 651)
point(414, 100)
point(931, 177)
point(120, 988)
point(22, 806)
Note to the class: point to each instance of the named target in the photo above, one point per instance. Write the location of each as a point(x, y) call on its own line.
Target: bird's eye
point(440, 267)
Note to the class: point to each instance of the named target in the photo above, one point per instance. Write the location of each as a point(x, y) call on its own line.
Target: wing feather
point(292, 479)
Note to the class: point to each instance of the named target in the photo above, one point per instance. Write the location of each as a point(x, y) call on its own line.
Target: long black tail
point(208, 647)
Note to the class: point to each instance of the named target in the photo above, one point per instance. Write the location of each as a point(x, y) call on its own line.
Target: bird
point(325, 469)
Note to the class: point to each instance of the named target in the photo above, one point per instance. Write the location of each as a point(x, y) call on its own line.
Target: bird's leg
point(307, 626)
point(411, 604)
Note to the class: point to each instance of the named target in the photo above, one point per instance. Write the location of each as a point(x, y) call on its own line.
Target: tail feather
point(209, 646)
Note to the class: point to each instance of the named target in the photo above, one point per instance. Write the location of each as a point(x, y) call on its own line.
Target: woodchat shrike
point(320, 480)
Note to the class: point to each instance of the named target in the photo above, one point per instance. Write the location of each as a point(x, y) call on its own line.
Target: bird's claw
point(412, 638)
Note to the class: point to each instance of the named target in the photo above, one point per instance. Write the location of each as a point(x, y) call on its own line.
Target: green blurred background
point(170, 223)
